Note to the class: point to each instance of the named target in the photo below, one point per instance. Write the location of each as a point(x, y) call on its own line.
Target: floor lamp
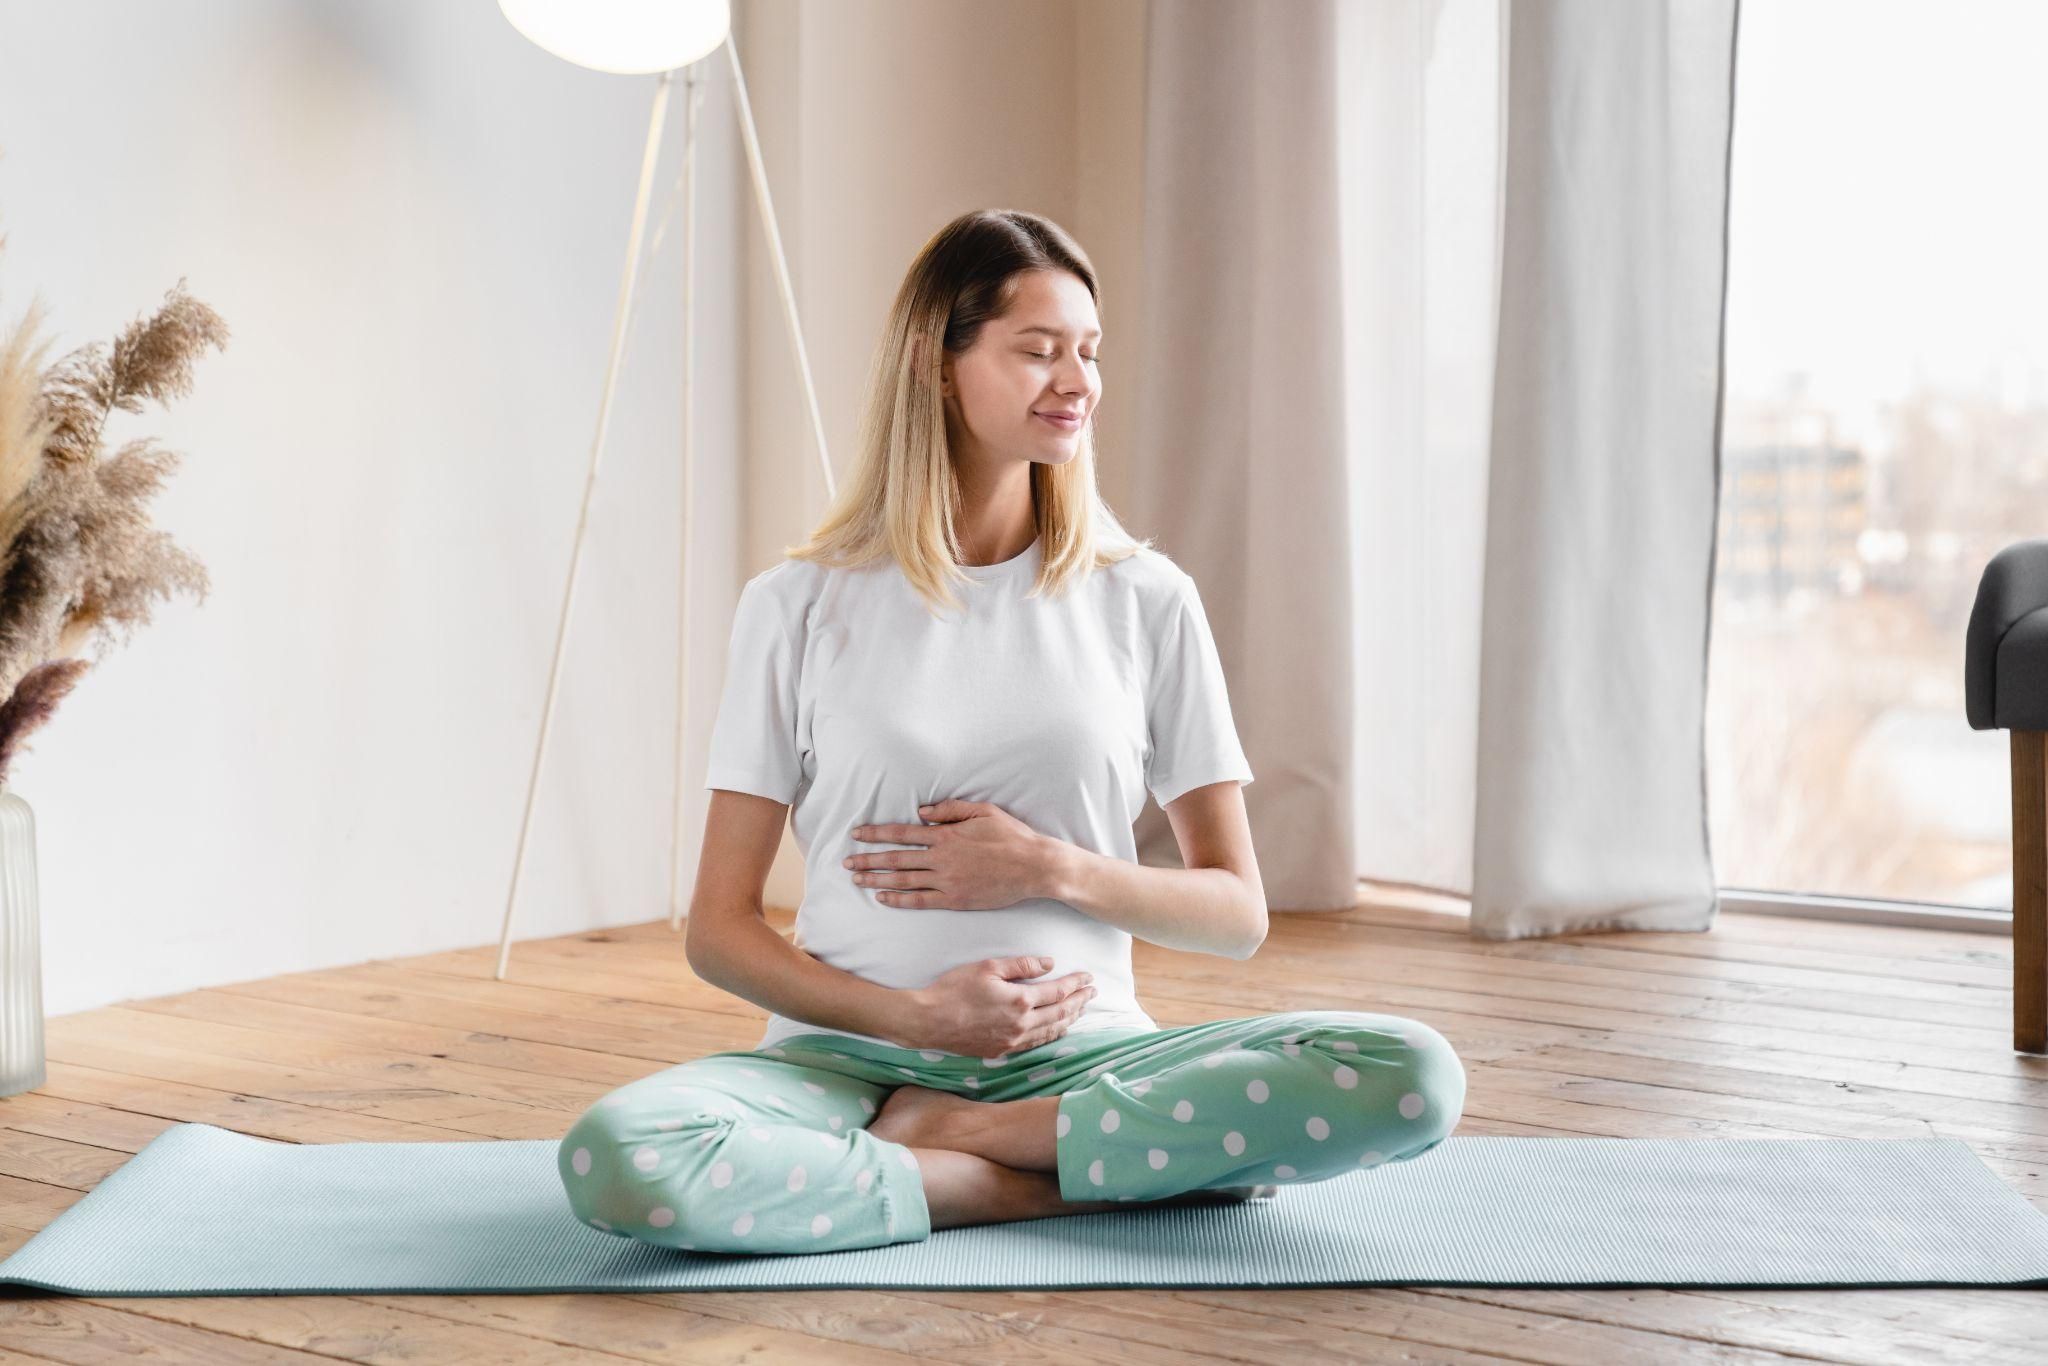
point(643, 37)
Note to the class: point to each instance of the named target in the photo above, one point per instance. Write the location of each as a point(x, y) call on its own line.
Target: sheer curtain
point(1432, 370)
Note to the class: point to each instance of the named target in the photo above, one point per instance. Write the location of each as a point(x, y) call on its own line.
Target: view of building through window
point(1885, 432)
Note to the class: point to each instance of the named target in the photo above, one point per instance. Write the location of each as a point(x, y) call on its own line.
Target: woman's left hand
point(975, 856)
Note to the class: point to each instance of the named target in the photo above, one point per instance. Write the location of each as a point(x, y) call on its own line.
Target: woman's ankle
point(962, 1188)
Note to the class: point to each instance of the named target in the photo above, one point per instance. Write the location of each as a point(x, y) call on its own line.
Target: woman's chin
point(1057, 451)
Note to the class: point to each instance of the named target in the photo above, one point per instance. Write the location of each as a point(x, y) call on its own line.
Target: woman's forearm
point(1208, 910)
point(752, 961)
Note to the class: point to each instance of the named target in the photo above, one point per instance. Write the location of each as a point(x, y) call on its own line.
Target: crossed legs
point(994, 1161)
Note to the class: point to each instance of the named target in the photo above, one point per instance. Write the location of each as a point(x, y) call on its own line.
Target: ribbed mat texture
point(206, 1211)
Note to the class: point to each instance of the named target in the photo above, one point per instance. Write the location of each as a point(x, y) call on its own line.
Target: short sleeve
point(757, 744)
point(1193, 741)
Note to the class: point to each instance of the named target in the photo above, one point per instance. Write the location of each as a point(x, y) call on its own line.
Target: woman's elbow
point(1258, 936)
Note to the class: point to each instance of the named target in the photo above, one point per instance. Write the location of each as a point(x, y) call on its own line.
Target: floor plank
point(1763, 1026)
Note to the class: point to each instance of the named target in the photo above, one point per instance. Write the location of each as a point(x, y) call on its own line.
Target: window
point(1884, 432)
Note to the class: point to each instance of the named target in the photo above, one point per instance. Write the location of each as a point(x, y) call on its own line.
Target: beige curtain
point(1239, 465)
point(1431, 369)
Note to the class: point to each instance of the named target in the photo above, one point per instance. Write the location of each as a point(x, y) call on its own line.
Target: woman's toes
point(1224, 1195)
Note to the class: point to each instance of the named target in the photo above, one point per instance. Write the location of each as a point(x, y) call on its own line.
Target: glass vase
point(21, 954)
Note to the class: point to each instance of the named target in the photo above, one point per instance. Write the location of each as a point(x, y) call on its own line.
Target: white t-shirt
point(850, 701)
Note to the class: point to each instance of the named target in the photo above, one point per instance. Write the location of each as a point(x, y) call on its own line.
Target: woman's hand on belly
point(971, 856)
point(983, 1009)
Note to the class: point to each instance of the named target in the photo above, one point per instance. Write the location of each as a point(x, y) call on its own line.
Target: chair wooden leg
point(2030, 891)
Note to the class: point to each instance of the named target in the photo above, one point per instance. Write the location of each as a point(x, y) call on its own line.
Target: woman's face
point(1037, 359)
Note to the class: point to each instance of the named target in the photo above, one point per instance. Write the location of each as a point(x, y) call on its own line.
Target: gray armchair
point(2005, 687)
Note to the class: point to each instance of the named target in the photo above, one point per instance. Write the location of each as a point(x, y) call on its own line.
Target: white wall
point(414, 221)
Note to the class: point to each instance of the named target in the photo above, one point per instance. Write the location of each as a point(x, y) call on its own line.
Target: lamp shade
point(629, 37)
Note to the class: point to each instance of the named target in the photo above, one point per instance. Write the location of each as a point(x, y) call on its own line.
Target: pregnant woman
point(960, 690)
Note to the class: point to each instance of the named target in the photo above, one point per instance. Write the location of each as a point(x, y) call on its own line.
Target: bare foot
point(1207, 1195)
point(1223, 1195)
point(919, 1117)
point(961, 1188)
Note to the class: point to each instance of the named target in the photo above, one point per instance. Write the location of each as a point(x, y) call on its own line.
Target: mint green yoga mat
point(206, 1211)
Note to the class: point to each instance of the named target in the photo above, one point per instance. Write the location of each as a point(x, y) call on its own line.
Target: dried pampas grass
point(35, 697)
point(78, 556)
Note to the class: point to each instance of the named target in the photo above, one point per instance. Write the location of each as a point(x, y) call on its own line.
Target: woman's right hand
point(983, 1009)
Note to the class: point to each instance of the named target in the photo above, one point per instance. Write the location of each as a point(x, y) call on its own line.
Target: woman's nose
point(1074, 377)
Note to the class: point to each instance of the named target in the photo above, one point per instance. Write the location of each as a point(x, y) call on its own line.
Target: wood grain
point(1764, 1026)
point(2029, 891)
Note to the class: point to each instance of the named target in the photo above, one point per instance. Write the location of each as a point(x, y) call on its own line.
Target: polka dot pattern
point(764, 1158)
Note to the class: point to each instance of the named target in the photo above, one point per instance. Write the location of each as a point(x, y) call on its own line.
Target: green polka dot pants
point(768, 1150)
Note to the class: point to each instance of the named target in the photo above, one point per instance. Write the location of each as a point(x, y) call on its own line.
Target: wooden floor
point(1764, 1027)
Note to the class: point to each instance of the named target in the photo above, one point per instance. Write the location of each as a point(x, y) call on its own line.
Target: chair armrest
point(2015, 583)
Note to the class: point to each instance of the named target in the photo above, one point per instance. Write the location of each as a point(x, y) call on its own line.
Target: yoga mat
point(206, 1211)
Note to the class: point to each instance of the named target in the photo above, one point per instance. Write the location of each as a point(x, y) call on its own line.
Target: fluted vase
point(21, 952)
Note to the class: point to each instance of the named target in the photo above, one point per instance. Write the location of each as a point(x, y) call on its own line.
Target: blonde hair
point(904, 492)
